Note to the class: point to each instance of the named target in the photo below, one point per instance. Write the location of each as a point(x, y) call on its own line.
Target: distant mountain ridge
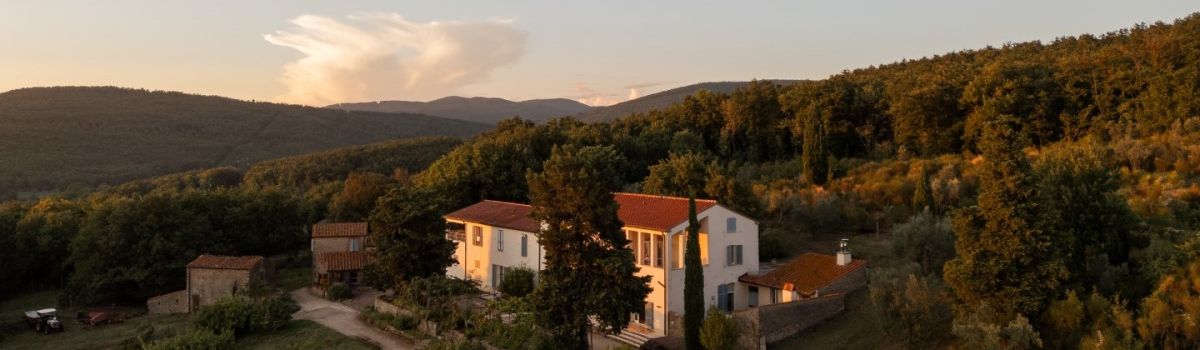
point(54, 137)
point(487, 110)
point(662, 99)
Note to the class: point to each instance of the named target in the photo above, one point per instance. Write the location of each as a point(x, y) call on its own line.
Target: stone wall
point(209, 285)
point(848, 283)
point(170, 303)
point(771, 323)
point(330, 244)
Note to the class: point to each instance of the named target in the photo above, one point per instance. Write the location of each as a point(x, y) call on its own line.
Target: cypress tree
point(1006, 258)
point(816, 159)
point(923, 194)
point(693, 282)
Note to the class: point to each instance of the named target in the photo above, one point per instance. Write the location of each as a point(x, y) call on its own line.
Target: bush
point(719, 331)
point(517, 282)
point(241, 315)
point(337, 291)
point(196, 339)
point(441, 344)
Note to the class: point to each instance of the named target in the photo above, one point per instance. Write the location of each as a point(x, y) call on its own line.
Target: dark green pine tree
point(589, 271)
point(409, 237)
point(1006, 257)
point(816, 159)
point(693, 283)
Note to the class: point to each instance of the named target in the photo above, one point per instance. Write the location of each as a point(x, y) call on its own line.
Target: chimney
point(843, 254)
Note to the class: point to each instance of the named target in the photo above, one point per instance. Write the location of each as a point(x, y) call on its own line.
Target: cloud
point(591, 97)
point(382, 56)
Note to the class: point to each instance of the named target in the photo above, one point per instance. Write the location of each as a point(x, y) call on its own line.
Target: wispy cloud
point(588, 96)
point(384, 56)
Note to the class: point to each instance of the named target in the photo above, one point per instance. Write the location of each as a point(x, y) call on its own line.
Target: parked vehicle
point(44, 320)
point(96, 318)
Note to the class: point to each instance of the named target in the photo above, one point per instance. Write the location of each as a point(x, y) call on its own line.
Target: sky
point(599, 53)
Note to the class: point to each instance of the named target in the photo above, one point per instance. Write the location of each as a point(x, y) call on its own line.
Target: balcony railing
point(456, 235)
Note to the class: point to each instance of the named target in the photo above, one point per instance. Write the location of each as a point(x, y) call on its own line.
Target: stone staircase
point(630, 337)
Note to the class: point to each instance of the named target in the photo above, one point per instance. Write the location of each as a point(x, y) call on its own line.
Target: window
point(354, 244)
point(704, 249)
point(497, 275)
point(725, 297)
point(731, 225)
point(752, 299)
point(354, 277)
point(499, 240)
point(659, 250)
point(645, 248)
point(733, 255)
point(524, 245)
point(774, 296)
point(678, 248)
point(477, 232)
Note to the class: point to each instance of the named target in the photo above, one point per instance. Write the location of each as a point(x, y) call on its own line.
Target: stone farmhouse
point(210, 278)
point(339, 252)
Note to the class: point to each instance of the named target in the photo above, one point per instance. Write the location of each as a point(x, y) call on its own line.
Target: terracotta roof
point(339, 229)
point(655, 212)
point(206, 261)
point(805, 274)
point(343, 261)
point(500, 214)
point(646, 211)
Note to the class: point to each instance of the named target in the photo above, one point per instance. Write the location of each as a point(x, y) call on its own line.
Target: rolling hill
point(477, 109)
point(660, 100)
point(54, 137)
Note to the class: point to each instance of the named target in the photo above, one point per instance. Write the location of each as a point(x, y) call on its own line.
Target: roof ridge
point(659, 196)
point(506, 202)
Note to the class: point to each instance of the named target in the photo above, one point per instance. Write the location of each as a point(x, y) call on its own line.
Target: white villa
point(495, 236)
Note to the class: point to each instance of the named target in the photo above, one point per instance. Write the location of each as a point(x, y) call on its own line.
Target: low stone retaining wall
point(170, 303)
point(771, 323)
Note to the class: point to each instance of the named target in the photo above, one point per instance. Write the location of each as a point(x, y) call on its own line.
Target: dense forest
point(1031, 195)
point(128, 242)
point(83, 137)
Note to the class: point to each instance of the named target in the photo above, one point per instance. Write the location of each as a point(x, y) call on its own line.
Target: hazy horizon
point(319, 53)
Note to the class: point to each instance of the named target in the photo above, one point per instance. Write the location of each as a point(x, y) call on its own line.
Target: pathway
point(343, 319)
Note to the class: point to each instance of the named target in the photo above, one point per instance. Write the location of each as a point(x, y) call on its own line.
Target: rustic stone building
point(210, 278)
point(339, 252)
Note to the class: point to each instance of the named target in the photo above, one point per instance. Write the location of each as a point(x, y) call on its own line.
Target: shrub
point(442, 344)
point(241, 315)
point(517, 282)
point(337, 291)
point(196, 339)
point(719, 331)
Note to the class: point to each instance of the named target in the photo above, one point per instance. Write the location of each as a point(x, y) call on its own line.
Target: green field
point(14, 334)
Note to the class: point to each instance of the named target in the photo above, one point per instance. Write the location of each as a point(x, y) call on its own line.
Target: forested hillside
point(55, 137)
point(659, 100)
point(1030, 195)
point(477, 109)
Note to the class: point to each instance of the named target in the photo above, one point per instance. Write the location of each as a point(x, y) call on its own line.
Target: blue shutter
point(524, 245)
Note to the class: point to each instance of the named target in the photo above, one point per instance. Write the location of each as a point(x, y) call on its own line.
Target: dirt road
point(343, 319)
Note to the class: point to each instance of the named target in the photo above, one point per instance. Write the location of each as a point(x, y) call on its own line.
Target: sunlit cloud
point(382, 56)
point(588, 96)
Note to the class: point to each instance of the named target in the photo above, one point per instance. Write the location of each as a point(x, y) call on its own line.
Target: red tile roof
point(206, 261)
point(339, 229)
point(805, 274)
point(500, 214)
point(343, 261)
point(645, 211)
point(659, 213)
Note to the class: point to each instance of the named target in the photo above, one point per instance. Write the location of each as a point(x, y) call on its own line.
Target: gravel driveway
point(343, 319)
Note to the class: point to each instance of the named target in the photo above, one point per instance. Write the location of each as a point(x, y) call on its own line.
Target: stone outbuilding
point(210, 278)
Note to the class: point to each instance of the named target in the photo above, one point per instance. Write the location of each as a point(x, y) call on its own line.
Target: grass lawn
point(301, 335)
point(14, 334)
